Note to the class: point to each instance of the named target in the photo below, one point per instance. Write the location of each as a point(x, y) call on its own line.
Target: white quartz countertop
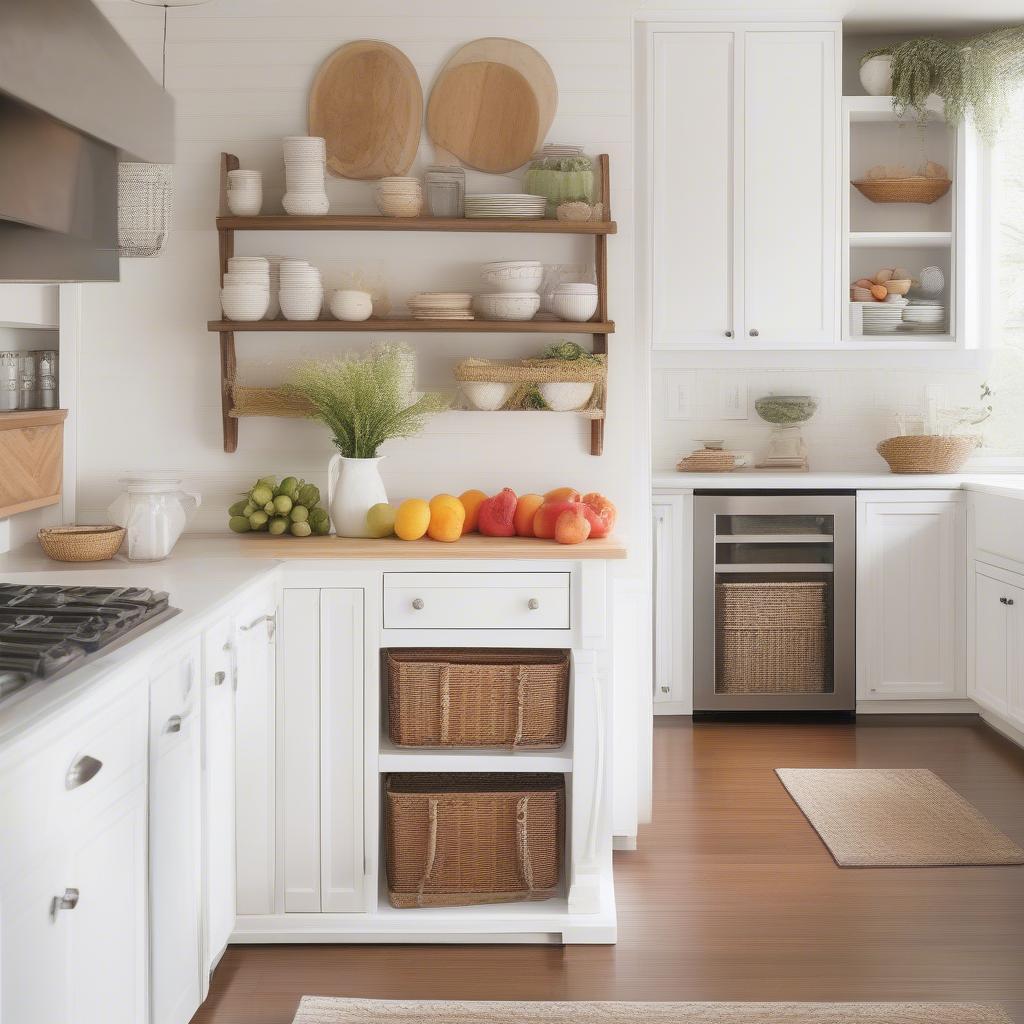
point(1011, 484)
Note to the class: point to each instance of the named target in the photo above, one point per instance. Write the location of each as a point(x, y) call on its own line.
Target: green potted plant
point(364, 400)
point(972, 75)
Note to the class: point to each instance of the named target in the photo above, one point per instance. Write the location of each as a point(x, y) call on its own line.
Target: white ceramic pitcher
point(354, 486)
point(154, 511)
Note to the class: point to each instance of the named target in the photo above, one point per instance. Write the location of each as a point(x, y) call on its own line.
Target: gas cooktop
point(47, 631)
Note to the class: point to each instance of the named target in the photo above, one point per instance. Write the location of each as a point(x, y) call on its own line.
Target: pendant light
point(145, 192)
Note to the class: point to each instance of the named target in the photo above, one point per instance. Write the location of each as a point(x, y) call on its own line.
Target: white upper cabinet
point(790, 188)
point(743, 190)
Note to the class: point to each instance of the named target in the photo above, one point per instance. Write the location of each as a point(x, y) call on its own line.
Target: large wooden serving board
point(366, 101)
point(474, 545)
point(486, 114)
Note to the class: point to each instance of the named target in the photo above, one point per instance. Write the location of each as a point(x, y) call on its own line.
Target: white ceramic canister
point(154, 510)
point(354, 486)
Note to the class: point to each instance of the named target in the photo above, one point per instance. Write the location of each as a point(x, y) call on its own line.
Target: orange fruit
point(446, 518)
point(412, 519)
point(526, 509)
point(563, 494)
point(471, 502)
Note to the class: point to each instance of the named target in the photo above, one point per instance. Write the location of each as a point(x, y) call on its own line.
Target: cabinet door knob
point(219, 677)
point(84, 769)
point(66, 902)
point(754, 332)
point(533, 604)
point(1006, 600)
point(728, 334)
point(173, 724)
point(418, 603)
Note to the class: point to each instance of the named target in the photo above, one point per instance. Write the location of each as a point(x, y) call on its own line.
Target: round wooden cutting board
point(528, 62)
point(366, 101)
point(486, 114)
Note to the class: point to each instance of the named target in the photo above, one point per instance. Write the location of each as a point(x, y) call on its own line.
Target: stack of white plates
point(257, 270)
point(399, 197)
point(304, 157)
point(302, 290)
point(923, 317)
point(245, 294)
point(880, 317)
point(502, 204)
point(441, 306)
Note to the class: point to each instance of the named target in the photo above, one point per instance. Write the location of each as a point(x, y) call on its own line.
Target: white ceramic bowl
point(876, 76)
point(575, 307)
point(513, 277)
point(244, 302)
point(395, 206)
point(245, 202)
point(486, 395)
point(347, 304)
point(508, 305)
point(563, 396)
point(248, 263)
point(301, 303)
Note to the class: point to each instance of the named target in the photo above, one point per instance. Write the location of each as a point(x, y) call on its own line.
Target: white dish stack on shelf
point(245, 294)
point(575, 301)
point(441, 306)
point(505, 204)
point(245, 193)
point(924, 316)
point(306, 191)
point(399, 197)
point(515, 295)
point(880, 317)
point(302, 290)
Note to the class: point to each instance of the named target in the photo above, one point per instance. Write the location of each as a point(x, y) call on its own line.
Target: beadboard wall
point(240, 72)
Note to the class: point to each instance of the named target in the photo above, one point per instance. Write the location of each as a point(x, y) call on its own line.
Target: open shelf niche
point(600, 327)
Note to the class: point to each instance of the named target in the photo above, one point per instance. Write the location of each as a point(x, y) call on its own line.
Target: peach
point(606, 513)
point(572, 526)
point(471, 502)
point(526, 510)
point(547, 515)
point(563, 494)
point(447, 517)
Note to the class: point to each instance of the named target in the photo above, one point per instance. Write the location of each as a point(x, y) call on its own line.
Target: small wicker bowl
point(917, 189)
point(926, 453)
point(898, 286)
point(81, 543)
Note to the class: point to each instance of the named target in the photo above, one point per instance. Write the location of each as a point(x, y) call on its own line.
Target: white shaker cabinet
point(255, 738)
point(320, 778)
point(743, 193)
point(672, 573)
point(175, 839)
point(911, 576)
point(998, 678)
point(218, 695)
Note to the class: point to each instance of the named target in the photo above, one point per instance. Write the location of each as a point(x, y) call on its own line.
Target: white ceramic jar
point(348, 304)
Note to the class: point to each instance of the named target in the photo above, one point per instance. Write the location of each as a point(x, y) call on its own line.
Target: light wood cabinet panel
point(790, 188)
point(911, 574)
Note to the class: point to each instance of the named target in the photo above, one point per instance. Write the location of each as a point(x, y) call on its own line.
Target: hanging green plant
point(973, 76)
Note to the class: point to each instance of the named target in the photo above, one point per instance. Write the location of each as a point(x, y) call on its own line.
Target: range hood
point(74, 102)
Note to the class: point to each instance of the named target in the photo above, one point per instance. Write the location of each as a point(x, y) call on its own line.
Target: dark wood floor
point(731, 895)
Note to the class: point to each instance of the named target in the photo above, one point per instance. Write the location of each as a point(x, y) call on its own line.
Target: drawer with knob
point(77, 773)
point(476, 600)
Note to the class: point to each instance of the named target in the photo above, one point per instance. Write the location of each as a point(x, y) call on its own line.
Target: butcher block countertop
point(472, 546)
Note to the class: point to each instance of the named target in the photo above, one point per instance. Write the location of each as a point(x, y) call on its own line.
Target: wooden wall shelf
point(599, 328)
point(425, 326)
point(350, 222)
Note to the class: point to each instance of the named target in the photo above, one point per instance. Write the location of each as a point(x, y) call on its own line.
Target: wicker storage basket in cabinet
point(457, 840)
point(477, 698)
point(773, 637)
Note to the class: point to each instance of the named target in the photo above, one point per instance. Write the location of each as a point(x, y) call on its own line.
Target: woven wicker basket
point(926, 453)
point(773, 637)
point(457, 840)
point(81, 543)
point(917, 189)
point(707, 460)
point(477, 698)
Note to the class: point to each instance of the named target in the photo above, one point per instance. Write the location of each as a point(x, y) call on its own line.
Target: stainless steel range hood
point(74, 101)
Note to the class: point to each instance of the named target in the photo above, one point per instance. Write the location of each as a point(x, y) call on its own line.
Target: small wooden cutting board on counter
point(472, 546)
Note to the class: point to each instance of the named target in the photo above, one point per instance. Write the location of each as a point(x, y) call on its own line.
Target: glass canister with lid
point(10, 378)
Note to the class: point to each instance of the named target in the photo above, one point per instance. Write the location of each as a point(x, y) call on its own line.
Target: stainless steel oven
point(773, 603)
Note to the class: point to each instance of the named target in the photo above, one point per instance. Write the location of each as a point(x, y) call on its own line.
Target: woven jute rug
point(324, 1010)
point(895, 817)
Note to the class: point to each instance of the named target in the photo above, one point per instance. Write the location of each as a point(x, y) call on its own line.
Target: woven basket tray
point(457, 840)
point(477, 698)
point(773, 637)
point(903, 190)
point(926, 453)
point(81, 543)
